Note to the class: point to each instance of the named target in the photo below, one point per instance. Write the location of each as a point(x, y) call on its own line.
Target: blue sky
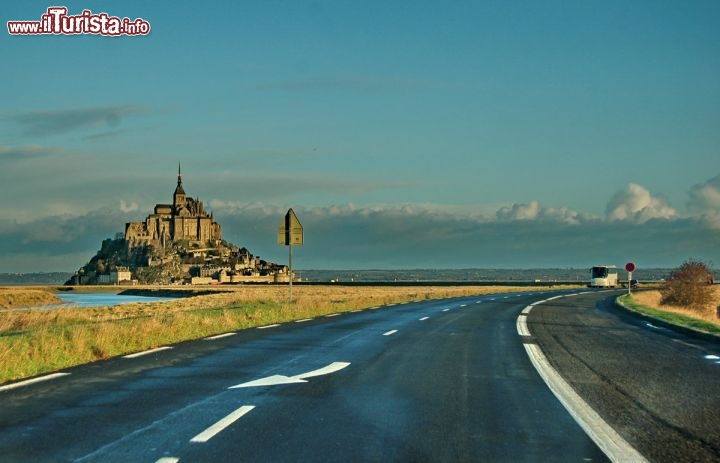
point(405, 134)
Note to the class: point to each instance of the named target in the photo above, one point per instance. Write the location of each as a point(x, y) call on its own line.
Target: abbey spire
point(179, 195)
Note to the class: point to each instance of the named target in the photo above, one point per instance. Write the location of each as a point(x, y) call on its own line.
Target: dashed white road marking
point(146, 352)
point(268, 326)
point(712, 357)
point(219, 336)
point(424, 318)
point(27, 382)
point(687, 344)
point(463, 305)
point(213, 430)
point(168, 460)
point(391, 332)
point(332, 315)
point(446, 310)
point(303, 320)
point(373, 308)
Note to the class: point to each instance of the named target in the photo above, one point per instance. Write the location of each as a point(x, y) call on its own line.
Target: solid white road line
point(388, 333)
point(521, 326)
point(610, 442)
point(213, 430)
point(27, 382)
point(268, 326)
point(146, 352)
point(424, 318)
point(219, 336)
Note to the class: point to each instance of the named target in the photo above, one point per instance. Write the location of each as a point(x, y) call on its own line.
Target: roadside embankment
point(702, 321)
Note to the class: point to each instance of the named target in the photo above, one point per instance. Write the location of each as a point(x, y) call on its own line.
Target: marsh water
point(102, 299)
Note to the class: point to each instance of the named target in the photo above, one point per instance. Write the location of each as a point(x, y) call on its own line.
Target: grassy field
point(701, 318)
point(14, 297)
point(38, 341)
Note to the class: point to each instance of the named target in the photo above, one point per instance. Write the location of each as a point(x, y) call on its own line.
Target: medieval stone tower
point(183, 220)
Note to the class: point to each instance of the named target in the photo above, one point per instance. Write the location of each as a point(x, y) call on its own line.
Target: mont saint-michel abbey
point(183, 220)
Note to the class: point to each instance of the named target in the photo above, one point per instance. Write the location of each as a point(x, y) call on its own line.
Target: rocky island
point(178, 243)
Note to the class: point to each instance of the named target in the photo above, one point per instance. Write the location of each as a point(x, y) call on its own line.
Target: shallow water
point(102, 299)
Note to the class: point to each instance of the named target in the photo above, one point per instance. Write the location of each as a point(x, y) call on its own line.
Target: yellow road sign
point(290, 231)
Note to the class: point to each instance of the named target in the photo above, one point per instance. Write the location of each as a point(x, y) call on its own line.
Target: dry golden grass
point(11, 298)
point(708, 313)
point(38, 341)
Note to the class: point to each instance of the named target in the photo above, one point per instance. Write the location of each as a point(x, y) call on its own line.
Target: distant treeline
point(51, 278)
point(470, 275)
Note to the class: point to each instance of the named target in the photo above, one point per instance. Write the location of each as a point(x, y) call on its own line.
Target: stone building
point(183, 220)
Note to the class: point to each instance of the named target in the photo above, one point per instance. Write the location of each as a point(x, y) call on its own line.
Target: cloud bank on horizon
point(637, 226)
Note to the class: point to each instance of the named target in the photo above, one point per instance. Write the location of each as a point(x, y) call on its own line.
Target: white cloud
point(534, 211)
point(705, 201)
point(636, 204)
point(519, 211)
point(125, 207)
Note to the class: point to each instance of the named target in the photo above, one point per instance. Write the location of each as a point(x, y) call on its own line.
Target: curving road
point(426, 381)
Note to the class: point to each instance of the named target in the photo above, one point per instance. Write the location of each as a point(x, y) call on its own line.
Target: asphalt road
point(431, 381)
point(659, 389)
point(428, 381)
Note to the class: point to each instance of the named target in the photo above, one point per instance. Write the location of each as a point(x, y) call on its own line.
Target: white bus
point(603, 276)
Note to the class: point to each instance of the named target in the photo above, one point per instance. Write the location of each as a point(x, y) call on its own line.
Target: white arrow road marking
point(326, 370)
point(270, 381)
point(210, 432)
point(282, 379)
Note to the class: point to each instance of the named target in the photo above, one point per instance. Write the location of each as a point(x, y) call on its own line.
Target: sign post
point(290, 233)
point(630, 267)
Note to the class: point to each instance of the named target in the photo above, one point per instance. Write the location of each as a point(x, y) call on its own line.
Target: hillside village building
point(183, 220)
